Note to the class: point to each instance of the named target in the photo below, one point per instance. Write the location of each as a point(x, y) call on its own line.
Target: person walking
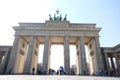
point(33, 71)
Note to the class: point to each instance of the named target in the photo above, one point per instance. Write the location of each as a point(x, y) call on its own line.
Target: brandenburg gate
point(28, 37)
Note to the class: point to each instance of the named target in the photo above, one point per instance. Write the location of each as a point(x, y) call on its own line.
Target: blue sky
point(105, 13)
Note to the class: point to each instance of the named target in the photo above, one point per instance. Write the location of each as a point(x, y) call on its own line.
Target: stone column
point(13, 55)
point(30, 56)
point(107, 62)
point(1, 62)
point(112, 63)
point(35, 62)
point(1, 58)
point(98, 55)
point(4, 64)
point(90, 68)
point(46, 54)
point(117, 63)
point(82, 56)
point(77, 60)
point(49, 58)
point(66, 55)
point(35, 56)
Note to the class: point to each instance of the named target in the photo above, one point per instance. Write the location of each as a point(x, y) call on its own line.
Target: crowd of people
point(110, 72)
point(60, 71)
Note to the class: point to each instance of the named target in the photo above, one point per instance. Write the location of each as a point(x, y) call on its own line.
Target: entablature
point(57, 28)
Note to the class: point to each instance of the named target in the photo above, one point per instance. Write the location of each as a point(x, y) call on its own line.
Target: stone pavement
point(54, 77)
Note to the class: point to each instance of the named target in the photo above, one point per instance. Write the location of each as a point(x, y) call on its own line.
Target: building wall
point(4, 57)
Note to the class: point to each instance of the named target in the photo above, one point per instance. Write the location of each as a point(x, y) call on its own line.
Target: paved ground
point(54, 77)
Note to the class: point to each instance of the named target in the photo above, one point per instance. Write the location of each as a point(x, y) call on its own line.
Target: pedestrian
point(57, 72)
point(33, 70)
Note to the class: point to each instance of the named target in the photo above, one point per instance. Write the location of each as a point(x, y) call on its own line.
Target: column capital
point(31, 36)
point(81, 37)
point(66, 38)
